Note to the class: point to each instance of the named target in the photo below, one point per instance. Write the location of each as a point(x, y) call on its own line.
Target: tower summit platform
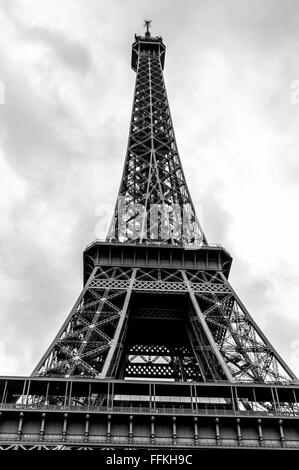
point(149, 45)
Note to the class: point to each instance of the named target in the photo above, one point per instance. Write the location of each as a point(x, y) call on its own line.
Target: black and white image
point(149, 260)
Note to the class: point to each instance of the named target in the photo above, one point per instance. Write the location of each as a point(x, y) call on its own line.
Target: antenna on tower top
point(147, 25)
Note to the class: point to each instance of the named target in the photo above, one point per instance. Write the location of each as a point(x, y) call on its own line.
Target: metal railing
point(146, 440)
point(148, 410)
point(149, 242)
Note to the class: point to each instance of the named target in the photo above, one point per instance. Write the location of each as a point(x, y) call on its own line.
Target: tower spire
point(147, 25)
point(154, 204)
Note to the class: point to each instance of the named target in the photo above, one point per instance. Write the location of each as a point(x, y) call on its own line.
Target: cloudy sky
point(65, 73)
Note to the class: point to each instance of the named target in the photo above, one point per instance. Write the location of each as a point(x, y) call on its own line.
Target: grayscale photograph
point(149, 255)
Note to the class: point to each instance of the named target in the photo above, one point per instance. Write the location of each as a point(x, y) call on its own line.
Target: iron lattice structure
point(154, 203)
point(158, 350)
point(151, 322)
point(176, 324)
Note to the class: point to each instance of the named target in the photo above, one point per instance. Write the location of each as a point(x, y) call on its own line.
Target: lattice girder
point(221, 341)
point(153, 178)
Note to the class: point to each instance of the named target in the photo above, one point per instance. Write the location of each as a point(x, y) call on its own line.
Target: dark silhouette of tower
point(158, 351)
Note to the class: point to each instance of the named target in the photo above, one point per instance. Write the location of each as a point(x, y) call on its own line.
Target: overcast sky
point(65, 70)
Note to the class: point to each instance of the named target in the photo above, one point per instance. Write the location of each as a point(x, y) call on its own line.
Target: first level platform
point(68, 413)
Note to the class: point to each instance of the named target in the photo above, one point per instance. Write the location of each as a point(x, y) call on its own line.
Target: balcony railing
point(148, 410)
point(51, 439)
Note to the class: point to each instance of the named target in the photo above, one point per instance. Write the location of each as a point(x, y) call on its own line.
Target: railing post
point(131, 435)
point(174, 435)
point(260, 429)
point(196, 436)
point(42, 427)
point(281, 431)
point(64, 426)
point(20, 427)
point(239, 433)
point(218, 442)
point(86, 432)
point(108, 434)
point(153, 430)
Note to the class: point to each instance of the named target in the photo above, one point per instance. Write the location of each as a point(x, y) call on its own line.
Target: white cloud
point(13, 193)
point(64, 132)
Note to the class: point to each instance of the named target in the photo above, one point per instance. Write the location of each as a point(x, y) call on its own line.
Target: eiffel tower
point(158, 350)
